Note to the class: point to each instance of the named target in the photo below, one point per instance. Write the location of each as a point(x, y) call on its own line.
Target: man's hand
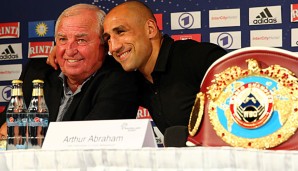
point(52, 59)
point(3, 131)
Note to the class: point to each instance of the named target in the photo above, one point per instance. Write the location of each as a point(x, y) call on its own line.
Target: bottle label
point(38, 121)
point(16, 121)
point(11, 121)
point(34, 121)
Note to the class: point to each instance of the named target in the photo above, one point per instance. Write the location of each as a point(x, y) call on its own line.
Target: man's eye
point(120, 31)
point(81, 41)
point(62, 40)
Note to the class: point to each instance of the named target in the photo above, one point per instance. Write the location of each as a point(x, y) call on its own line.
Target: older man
point(89, 86)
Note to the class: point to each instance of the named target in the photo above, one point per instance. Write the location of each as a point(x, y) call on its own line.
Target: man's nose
point(72, 48)
point(114, 45)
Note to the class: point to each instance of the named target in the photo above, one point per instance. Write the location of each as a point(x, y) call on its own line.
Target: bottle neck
point(17, 92)
point(16, 104)
point(38, 91)
point(37, 103)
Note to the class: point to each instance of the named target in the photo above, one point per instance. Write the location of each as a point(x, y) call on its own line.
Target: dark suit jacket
point(110, 94)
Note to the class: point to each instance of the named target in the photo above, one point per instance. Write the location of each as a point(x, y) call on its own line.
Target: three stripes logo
point(9, 54)
point(265, 17)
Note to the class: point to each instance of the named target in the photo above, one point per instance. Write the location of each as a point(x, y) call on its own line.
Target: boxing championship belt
point(248, 98)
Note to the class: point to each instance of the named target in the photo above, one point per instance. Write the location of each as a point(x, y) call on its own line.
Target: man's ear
point(152, 28)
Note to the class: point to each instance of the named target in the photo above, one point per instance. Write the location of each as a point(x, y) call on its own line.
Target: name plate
point(112, 134)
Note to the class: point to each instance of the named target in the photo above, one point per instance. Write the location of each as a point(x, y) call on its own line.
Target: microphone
point(176, 136)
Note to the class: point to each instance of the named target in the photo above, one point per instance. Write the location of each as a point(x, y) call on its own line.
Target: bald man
point(172, 71)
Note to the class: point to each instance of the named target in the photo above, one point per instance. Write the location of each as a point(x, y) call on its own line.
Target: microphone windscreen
point(175, 136)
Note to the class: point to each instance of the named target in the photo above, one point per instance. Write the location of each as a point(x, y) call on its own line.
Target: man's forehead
point(112, 18)
point(63, 34)
point(119, 14)
point(115, 23)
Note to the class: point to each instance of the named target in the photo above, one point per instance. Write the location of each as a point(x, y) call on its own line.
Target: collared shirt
point(67, 97)
point(177, 75)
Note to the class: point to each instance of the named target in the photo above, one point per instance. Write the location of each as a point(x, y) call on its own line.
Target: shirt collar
point(164, 54)
point(66, 88)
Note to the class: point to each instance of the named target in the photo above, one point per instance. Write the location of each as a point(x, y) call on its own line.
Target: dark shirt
point(111, 93)
point(177, 75)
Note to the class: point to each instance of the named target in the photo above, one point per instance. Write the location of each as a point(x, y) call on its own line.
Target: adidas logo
point(265, 17)
point(8, 53)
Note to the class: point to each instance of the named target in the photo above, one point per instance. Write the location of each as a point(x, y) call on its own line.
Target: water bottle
point(16, 118)
point(38, 116)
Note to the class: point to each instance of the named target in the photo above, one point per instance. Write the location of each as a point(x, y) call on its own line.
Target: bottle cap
point(17, 82)
point(37, 81)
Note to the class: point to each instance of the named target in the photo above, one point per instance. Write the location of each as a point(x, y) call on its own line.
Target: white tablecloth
point(150, 159)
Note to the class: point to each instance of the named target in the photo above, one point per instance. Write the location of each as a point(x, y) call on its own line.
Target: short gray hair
point(75, 10)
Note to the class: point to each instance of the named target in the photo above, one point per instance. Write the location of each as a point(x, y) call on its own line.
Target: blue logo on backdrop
point(6, 93)
point(41, 29)
point(225, 40)
point(186, 20)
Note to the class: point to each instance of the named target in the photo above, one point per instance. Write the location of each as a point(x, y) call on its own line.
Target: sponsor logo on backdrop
point(269, 38)
point(227, 40)
point(9, 30)
point(294, 12)
point(159, 20)
point(6, 93)
point(185, 20)
point(10, 72)
point(40, 49)
point(265, 15)
point(11, 51)
point(196, 37)
point(143, 113)
point(294, 37)
point(224, 18)
point(41, 29)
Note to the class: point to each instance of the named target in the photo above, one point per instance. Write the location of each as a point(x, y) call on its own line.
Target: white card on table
point(113, 134)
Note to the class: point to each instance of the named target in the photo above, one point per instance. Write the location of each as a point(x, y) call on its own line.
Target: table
point(150, 159)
